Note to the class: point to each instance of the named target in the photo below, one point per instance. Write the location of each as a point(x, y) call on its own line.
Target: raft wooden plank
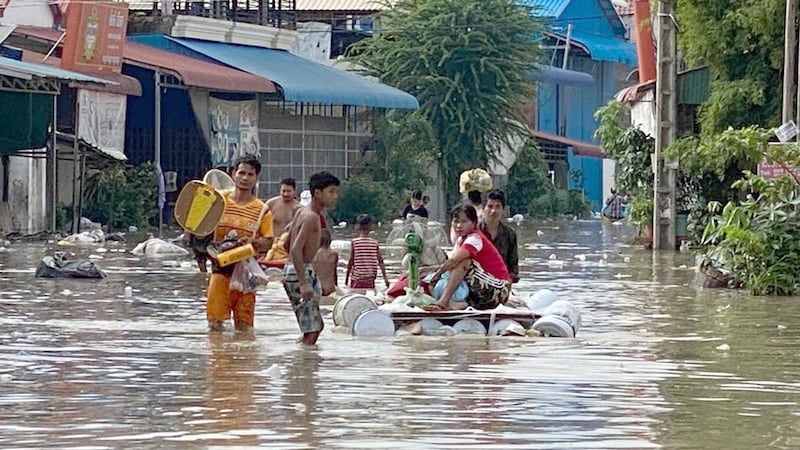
point(445, 317)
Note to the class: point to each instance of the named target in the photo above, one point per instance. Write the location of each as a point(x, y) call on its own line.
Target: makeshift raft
point(360, 316)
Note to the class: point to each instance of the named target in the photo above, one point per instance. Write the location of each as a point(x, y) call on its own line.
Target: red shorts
point(362, 284)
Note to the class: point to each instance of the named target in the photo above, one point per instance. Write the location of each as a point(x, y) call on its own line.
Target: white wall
point(26, 210)
point(643, 113)
point(609, 174)
point(28, 12)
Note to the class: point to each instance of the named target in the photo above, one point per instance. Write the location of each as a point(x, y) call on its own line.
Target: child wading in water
point(365, 258)
point(325, 263)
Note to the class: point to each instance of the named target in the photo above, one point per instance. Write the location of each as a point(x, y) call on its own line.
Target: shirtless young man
point(300, 281)
point(283, 206)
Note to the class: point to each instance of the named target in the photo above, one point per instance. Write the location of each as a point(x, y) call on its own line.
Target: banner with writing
point(234, 130)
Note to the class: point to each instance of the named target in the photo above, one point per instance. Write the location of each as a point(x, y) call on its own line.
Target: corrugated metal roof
point(194, 72)
point(303, 80)
point(341, 5)
point(545, 8)
point(27, 70)
point(693, 88)
point(602, 48)
point(122, 84)
point(578, 147)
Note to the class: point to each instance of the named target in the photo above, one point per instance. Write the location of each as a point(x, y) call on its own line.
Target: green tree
point(468, 62)
point(742, 42)
point(406, 146)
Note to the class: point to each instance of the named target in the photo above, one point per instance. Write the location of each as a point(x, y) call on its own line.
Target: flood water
point(659, 363)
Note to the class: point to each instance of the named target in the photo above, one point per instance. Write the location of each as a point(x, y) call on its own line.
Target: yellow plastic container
point(201, 204)
point(235, 255)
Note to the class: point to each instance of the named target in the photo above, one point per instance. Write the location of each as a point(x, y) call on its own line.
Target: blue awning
point(303, 80)
point(551, 74)
point(26, 71)
point(602, 48)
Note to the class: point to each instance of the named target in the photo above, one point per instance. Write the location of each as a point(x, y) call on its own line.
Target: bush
point(362, 195)
point(756, 239)
point(122, 196)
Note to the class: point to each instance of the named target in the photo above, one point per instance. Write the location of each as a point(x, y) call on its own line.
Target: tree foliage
point(742, 43)
point(631, 148)
point(468, 63)
point(405, 145)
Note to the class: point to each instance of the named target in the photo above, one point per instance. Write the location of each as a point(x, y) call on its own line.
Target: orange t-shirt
point(242, 218)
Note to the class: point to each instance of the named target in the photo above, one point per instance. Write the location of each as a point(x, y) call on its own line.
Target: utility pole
point(666, 115)
point(789, 62)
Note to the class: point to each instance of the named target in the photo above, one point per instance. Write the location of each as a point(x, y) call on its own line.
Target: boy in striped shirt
point(365, 258)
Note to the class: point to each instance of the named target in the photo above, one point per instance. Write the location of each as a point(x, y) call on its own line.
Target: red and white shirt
point(365, 258)
point(482, 251)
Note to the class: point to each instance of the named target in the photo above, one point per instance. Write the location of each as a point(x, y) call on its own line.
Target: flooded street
point(658, 363)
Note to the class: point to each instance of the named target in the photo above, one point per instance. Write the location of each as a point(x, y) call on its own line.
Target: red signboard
point(95, 36)
point(773, 171)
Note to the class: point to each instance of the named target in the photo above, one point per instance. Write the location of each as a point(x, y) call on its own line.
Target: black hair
point(321, 180)
point(497, 194)
point(248, 159)
point(426, 198)
point(475, 197)
point(289, 182)
point(467, 210)
point(417, 195)
point(364, 221)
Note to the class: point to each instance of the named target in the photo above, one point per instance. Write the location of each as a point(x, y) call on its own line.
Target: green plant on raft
point(756, 239)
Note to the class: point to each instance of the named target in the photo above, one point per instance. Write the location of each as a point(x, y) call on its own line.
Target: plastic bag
point(461, 293)
point(247, 276)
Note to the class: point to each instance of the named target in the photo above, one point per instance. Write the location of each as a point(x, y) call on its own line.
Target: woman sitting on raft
point(475, 260)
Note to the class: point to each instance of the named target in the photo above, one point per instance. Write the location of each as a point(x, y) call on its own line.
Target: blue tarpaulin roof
point(602, 48)
point(303, 80)
point(551, 74)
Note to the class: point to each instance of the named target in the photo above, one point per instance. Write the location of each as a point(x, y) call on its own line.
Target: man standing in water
point(300, 281)
point(243, 220)
point(283, 206)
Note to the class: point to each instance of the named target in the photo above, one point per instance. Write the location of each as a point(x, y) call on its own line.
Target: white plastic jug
point(560, 319)
point(541, 299)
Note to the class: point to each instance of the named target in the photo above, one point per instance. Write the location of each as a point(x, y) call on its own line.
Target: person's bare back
point(325, 264)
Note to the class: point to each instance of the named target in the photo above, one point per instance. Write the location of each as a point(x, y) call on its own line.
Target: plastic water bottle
point(128, 292)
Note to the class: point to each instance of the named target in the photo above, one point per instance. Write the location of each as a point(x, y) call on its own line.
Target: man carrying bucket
point(246, 220)
point(300, 280)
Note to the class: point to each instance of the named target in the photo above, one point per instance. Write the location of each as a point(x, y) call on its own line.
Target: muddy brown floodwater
point(659, 362)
